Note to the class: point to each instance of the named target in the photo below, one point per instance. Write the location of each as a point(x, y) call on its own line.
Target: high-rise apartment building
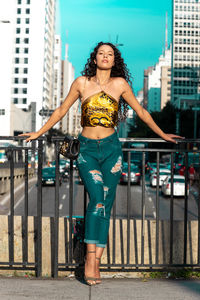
point(29, 42)
point(57, 75)
point(71, 122)
point(186, 52)
point(159, 83)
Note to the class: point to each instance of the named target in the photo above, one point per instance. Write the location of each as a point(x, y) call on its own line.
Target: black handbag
point(70, 147)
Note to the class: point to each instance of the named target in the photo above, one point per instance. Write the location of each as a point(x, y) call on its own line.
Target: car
point(63, 163)
point(178, 186)
point(135, 175)
point(153, 167)
point(65, 174)
point(49, 176)
point(162, 175)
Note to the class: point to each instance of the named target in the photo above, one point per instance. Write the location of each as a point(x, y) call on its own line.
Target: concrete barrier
point(19, 174)
point(120, 242)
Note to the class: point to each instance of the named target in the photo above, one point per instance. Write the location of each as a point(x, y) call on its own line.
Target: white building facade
point(29, 47)
point(186, 50)
point(155, 80)
point(71, 122)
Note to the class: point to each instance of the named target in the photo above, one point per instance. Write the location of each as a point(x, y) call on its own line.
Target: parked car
point(162, 176)
point(135, 175)
point(49, 176)
point(178, 186)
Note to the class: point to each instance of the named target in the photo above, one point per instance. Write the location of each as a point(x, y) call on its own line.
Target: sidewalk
point(111, 289)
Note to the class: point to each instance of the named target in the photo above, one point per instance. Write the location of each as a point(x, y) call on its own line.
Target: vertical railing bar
point(136, 240)
point(121, 241)
point(128, 207)
point(70, 210)
point(25, 216)
point(157, 208)
point(185, 210)
point(56, 213)
point(108, 251)
point(114, 233)
point(198, 251)
point(11, 216)
point(143, 208)
point(66, 240)
point(39, 211)
point(171, 208)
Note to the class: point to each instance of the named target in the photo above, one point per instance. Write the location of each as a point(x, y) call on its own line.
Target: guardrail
point(134, 243)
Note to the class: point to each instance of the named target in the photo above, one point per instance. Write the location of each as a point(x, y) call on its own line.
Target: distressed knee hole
point(96, 176)
point(99, 205)
point(118, 165)
point(105, 188)
point(100, 209)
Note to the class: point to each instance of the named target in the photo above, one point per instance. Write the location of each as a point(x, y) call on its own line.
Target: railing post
point(70, 211)
point(55, 237)
point(11, 216)
point(38, 230)
point(172, 210)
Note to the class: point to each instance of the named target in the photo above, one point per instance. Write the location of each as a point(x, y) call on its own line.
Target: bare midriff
point(97, 132)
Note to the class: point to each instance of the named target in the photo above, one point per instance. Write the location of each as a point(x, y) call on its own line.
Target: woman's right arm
point(59, 112)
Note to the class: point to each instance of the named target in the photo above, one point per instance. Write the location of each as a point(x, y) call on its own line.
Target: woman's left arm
point(143, 114)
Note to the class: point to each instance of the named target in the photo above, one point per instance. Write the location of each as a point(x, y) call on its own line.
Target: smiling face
point(105, 58)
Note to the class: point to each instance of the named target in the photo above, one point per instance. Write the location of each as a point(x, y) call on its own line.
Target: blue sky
point(139, 24)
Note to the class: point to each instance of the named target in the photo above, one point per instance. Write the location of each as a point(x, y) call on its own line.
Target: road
point(48, 201)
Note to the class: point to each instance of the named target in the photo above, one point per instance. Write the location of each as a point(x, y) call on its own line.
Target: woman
point(105, 94)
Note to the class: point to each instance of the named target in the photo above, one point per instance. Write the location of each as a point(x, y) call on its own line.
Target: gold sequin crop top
point(99, 110)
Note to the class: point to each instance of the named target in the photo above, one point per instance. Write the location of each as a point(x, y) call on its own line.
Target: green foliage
point(185, 273)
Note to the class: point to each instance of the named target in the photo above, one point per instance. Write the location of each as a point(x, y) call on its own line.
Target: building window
point(19, 1)
point(17, 40)
point(25, 71)
point(2, 112)
point(15, 90)
point(16, 80)
point(18, 30)
point(24, 91)
point(26, 60)
point(28, 1)
point(26, 40)
point(27, 30)
point(16, 70)
point(27, 20)
point(17, 60)
point(24, 100)
point(25, 80)
point(25, 50)
point(19, 10)
point(15, 100)
point(17, 50)
point(28, 11)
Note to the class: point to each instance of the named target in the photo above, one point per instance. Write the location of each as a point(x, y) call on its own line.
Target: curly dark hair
point(118, 70)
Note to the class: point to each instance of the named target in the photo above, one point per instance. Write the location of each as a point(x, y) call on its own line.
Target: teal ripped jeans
point(99, 164)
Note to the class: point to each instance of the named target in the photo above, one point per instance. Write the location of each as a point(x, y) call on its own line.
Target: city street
point(48, 201)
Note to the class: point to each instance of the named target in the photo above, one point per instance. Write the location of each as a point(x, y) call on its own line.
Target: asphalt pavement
point(18, 288)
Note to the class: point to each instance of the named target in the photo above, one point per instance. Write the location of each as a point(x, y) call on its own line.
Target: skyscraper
point(186, 52)
point(30, 47)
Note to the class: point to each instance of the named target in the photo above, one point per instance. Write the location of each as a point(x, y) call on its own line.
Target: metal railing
point(129, 240)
